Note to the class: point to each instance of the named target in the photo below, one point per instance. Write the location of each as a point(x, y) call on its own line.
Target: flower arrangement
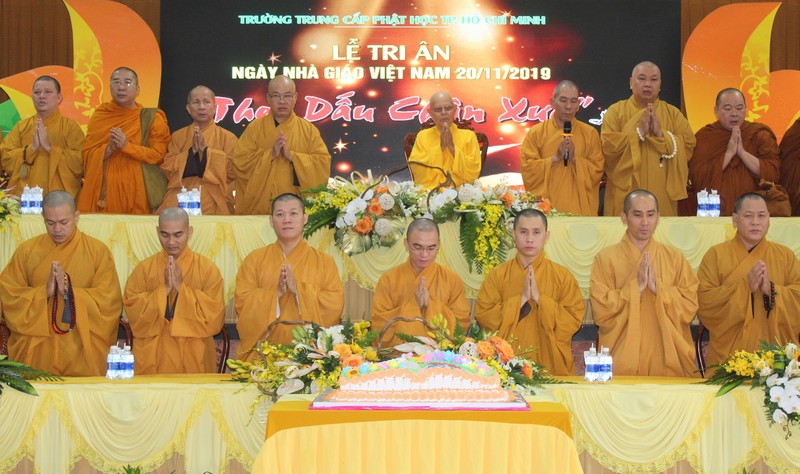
point(314, 361)
point(9, 207)
point(773, 368)
point(516, 372)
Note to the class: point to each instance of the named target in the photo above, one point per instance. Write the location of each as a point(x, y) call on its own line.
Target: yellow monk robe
point(216, 196)
point(548, 329)
point(574, 188)
point(736, 179)
point(734, 320)
point(253, 163)
point(61, 169)
point(319, 298)
point(790, 165)
point(395, 295)
point(98, 305)
point(185, 344)
point(648, 334)
point(125, 191)
point(632, 164)
point(464, 167)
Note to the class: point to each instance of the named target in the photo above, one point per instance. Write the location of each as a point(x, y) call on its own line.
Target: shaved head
point(173, 214)
point(124, 68)
point(288, 197)
point(279, 81)
point(628, 203)
point(744, 197)
point(57, 199)
point(197, 90)
point(645, 65)
point(441, 96)
point(52, 79)
point(422, 224)
point(530, 213)
point(561, 85)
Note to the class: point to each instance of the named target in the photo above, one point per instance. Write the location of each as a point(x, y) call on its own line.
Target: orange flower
point(544, 206)
point(375, 207)
point(503, 348)
point(485, 350)
point(353, 361)
point(527, 371)
point(364, 225)
point(381, 190)
point(343, 350)
point(508, 198)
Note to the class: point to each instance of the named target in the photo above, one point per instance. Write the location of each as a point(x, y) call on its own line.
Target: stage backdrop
point(365, 70)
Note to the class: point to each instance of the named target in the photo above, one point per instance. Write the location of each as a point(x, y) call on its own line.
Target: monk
point(749, 287)
point(201, 156)
point(420, 287)
point(115, 150)
point(533, 299)
point(44, 150)
point(279, 153)
point(175, 302)
point(790, 165)
point(644, 297)
point(61, 297)
point(287, 280)
point(732, 154)
point(647, 144)
point(444, 148)
point(566, 169)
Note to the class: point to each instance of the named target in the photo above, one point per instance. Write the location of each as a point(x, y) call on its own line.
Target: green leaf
point(406, 337)
point(729, 386)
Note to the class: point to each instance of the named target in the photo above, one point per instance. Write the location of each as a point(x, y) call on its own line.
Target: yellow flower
point(371, 354)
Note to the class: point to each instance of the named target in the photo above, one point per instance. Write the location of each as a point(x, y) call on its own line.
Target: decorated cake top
point(417, 363)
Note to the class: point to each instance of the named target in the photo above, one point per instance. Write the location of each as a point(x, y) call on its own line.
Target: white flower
point(779, 417)
point(290, 386)
point(395, 187)
point(790, 350)
point(469, 194)
point(355, 206)
point(776, 394)
point(468, 349)
point(340, 223)
point(792, 370)
point(383, 227)
point(790, 404)
point(368, 195)
point(386, 201)
point(772, 380)
point(415, 347)
point(350, 219)
point(335, 332)
point(764, 368)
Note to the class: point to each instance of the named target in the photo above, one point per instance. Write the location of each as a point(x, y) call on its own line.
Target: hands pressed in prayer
point(530, 290)
point(281, 148)
point(446, 138)
point(758, 278)
point(198, 142)
point(422, 294)
point(646, 275)
point(56, 281)
point(286, 281)
point(173, 275)
point(40, 138)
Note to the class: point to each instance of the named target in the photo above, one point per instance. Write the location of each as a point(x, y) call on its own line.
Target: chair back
point(222, 366)
point(4, 335)
point(698, 349)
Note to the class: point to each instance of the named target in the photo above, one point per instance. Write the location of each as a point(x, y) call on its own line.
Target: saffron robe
point(216, 185)
point(464, 167)
point(125, 191)
point(736, 322)
point(253, 162)
point(548, 329)
point(790, 165)
point(319, 298)
point(648, 334)
point(633, 164)
point(736, 179)
point(574, 188)
point(98, 305)
point(185, 344)
point(61, 169)
point(395, 295)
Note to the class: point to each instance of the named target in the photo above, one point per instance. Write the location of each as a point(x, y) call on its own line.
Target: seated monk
point(444, 148)
point(644, 297)
point(61, 297)
point(175, 302)
point(201, 156)
point(749, 287)
point(286, 280)
point(532, 299)
point(419, 288)
point(790, 165)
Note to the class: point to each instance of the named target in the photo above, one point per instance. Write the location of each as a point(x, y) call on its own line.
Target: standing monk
point(286, 280)
point(732, 154)
point(44, 150)
point(444, 148)
point(175, 302)
point(419, 288)
point(647, 144)
point(644, 297)
point(790, 165)
point(566, 169)
point(115, 150)
point(277, 154)
point(749, 287)
point(61, 297)
point(532, 299)
point(201, 156)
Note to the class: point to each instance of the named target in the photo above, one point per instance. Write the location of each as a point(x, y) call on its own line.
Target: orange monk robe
point(319, 298)
point(790, 165)
point(125, 191)
point(574, 188)
point(185, 344)
point(633, 164)
point(216, 185)
point(98, 305)
point(734, 320)
point(648, 334)
point(736, 179)
point(253, 162)
point(61, 169)
point(548, 329)
point(464, 167)
point(395, 295)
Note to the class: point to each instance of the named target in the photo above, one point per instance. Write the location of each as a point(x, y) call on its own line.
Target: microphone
point(567, 133)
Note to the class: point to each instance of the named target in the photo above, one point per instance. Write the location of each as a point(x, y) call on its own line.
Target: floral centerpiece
point(9, 207)
point(516, 372)
point(774, 369)
point(314, 361)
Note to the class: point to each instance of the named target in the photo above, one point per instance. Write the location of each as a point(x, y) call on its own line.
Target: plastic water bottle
point(715, 203)
point(113, 358)
point(605, 366)
point(38, 197)
point(702, 203)
point(590, 358)
point(127, 363)
point(25, 201)
point(194, 202)
point(183, 200)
